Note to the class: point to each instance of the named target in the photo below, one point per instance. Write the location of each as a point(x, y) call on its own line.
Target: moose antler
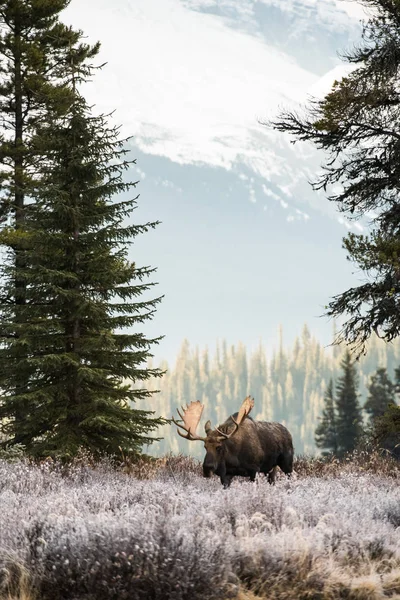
point(190, 417)
point(244, 410)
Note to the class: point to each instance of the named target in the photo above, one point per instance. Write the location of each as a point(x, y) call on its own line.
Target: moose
point(240, 446)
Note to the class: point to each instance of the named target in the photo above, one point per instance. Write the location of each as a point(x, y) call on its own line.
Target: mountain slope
point(244, 244)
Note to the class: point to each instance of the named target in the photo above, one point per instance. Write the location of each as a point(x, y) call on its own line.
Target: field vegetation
point(157, 530)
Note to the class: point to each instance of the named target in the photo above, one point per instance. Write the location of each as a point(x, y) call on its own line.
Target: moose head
point(218, 442)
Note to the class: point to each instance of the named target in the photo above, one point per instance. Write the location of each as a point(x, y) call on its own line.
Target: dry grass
point(124, 531)
point(244, 594)
point(170, 465)
point(310, 579)
point(304, 466)
point(360, 461)
point(304, 577)
point(16, 581)
point(182, 466)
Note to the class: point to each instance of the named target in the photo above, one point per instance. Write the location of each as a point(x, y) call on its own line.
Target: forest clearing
point(86, 512)
point(158, 530)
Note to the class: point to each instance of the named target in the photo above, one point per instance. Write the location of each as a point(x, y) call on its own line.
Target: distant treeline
point(289, 387)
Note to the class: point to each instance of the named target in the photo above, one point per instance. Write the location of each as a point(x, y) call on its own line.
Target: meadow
point(159, 531)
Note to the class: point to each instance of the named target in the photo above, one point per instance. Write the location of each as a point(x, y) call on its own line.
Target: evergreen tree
point(357, 124)
point(82, 296)
point(387, 430)
point(258, 376)
point(241, 374)
point(34, 53)
point(183, 372)
point(205, 364)
point(34, 49)
point(326, 432)
point(349, 419)
point(397, 381)
point(380, 394)
point(301, 388)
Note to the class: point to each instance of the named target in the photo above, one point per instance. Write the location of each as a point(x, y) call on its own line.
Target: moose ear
point(207, 427)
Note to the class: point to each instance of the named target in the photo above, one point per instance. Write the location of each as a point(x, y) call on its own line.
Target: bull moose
point(240, 446)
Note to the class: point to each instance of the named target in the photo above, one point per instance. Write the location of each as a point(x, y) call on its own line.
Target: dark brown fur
point(256, 447)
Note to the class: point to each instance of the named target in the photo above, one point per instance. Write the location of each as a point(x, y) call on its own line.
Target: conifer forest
point(288, 385)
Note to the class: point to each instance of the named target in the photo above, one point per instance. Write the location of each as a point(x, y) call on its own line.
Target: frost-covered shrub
point(390, 511)
point(132, 561)
point(373, 460)
point(87, 533)
point(12, 453)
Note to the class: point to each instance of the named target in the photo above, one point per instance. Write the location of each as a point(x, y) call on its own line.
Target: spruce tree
point(326, 432)
point(380, 394)
point(349, 419)
point(387, 427)
point(397, 381)
point(34, 49)
point(80, 324)
point(357, 125)
point(387, 430)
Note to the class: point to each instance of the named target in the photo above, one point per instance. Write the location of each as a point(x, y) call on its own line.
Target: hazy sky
point(244, 243)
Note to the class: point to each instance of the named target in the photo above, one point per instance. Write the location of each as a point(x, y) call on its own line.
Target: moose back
point(240, 446)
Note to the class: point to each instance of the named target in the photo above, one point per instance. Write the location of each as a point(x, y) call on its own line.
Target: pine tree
point(81, 364)
point(326, 432)
point(34, 50)
point(349, 419)
point(381, 394)
point(357, 125)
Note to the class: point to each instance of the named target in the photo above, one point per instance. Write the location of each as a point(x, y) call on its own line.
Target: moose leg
point(252, 474)
point(271, 476)
point(285, 462)
point(226, 481)
point(223, 476)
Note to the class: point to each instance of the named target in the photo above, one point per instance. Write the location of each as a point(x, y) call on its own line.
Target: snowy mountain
point(245, 244)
